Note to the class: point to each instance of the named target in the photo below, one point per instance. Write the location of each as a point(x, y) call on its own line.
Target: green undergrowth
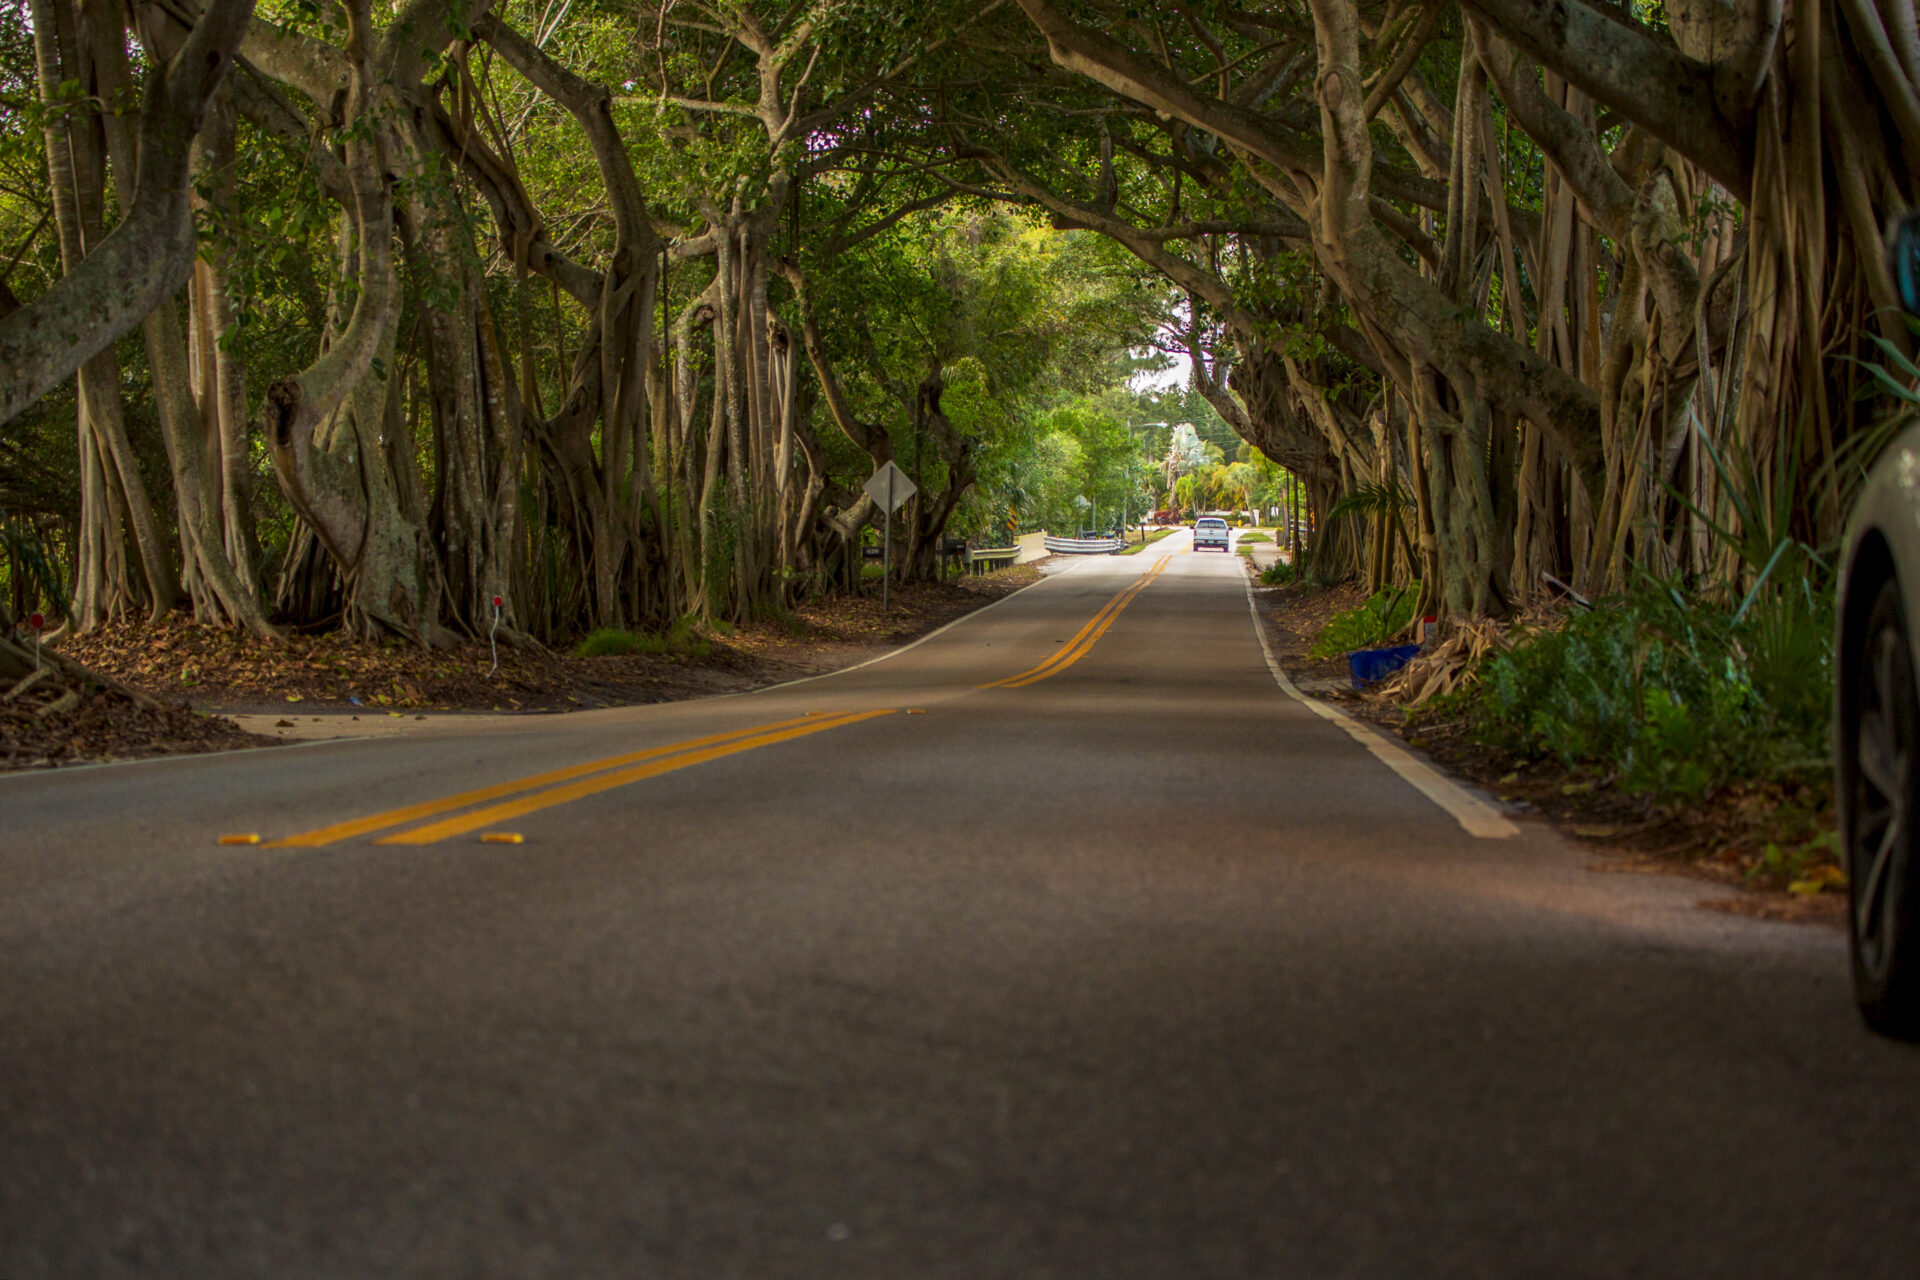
point(1670, 694)
point(1277, 574)
point(1152, 538)
point(679, 640)
point(1382, 616)
point(787, 620)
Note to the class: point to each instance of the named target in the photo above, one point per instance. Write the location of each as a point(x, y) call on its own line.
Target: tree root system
point(228, 670)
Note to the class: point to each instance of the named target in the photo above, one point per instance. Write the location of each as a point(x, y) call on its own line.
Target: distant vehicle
point(1089, 533)
point(1211, 531)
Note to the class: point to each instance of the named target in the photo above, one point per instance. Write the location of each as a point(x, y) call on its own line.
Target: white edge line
point(891, 653)
point(1475, 816)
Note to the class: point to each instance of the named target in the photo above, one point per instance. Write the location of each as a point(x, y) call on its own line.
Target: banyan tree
point(552, 301)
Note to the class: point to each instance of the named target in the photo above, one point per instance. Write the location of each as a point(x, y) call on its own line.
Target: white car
point(1877, 739)
point(1211, 531)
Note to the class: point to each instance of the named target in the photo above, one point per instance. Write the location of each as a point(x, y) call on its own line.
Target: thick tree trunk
point(112, 493)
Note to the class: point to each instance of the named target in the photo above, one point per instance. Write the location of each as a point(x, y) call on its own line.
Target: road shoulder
point(1618, 833)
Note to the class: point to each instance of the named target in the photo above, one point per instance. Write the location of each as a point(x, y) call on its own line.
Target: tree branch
point(145, 259)
point(1666, 93)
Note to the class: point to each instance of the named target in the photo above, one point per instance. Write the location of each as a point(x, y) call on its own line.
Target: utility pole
point(1127, 497)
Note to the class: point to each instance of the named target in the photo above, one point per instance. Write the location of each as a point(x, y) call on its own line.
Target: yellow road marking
point(1078, 636)
point(1083, 632)
point(1076, 648)
point(499, 791)
point(1086, 646)
point(463, 823)
point(1083, 640)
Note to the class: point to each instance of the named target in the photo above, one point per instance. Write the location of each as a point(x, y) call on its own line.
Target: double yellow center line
point(521, 796)
point(1088, 636)
point(431, 821)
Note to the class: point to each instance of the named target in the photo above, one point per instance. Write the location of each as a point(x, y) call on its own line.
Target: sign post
point(889, 488)
point(38, 622)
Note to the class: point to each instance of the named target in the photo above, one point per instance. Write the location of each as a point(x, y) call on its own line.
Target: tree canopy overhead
point(607, 309)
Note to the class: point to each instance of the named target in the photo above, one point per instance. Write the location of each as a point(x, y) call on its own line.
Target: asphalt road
point(1139, 968)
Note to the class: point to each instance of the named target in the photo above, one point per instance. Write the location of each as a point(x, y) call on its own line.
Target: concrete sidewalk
point(1262, 553)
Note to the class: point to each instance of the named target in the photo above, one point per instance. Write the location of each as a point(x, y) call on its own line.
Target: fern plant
point(1384, 615)
point(32, 576)
point(1386, 503)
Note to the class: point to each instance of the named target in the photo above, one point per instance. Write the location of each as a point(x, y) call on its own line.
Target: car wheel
point(1883, 768)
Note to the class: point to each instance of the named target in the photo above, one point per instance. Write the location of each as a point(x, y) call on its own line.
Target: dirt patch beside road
point(40, 732)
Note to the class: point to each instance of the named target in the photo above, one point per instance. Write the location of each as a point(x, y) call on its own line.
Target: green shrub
point(1673, 694)
point(1148, 541)
point(1277, 574)
point(1385, 614)
point(611, 642)
point(29, 571)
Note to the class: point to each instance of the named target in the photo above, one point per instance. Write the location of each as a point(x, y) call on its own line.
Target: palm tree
point(1386, 502)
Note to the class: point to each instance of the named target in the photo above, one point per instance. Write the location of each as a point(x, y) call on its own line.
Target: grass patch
point(1247, 539)
point(611, 642)
point(1152, 538)
point(677, 640)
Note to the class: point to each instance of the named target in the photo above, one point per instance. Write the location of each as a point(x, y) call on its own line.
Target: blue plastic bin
point(1369, 665)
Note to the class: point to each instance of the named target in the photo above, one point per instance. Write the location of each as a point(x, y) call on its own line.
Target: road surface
point(1127, 964)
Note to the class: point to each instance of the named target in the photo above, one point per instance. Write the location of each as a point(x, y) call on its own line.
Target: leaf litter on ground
point(227, 671)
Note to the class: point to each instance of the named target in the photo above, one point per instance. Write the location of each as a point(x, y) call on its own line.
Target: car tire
point(1882, 776)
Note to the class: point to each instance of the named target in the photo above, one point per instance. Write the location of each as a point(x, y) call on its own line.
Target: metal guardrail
point(981, 559)
point(1083, 546)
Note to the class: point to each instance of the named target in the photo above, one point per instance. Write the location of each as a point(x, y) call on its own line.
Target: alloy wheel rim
point(1880, 803)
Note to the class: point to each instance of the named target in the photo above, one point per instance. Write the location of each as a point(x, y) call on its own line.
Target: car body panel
point(1887, 513)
